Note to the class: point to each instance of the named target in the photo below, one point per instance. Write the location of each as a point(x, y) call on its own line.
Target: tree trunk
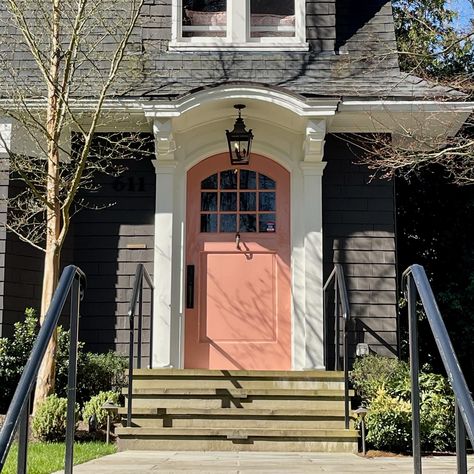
point(47, 371)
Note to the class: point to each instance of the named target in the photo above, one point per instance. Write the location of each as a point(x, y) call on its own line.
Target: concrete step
point(236, 392)
point(231, 439)
point(187, 378)
point(196, 409)
point(270, 419)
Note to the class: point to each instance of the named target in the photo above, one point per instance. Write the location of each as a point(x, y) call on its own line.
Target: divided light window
point(239, 24)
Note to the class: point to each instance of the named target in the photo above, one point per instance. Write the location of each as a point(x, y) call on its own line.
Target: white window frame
point(238, 32)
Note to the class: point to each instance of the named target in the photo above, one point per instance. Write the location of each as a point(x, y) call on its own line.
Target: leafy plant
point(384, 383)
point(49, 422)
point(372, 373)
point(94, 407)
point(14, 353)
point(388, 422)
point(95, 372)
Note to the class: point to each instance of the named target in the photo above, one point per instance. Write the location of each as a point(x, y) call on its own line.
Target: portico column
point(165, 167)
point(312, 169)
point(6, 127)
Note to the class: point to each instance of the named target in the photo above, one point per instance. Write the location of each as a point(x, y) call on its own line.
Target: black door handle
point(189, 286)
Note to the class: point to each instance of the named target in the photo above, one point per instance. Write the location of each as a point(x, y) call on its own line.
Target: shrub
point(94, 407)
point(49, 422)
point(388, 423)
point(14, 353)
point(372, 373)
point(384, 384)
point(95, 372)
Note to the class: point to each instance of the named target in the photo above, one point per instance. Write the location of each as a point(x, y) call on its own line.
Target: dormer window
point(237, 24)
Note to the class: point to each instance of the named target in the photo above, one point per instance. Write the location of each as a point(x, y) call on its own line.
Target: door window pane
point(228, 202)
point(229, 179)
point(248, 223)
point(204, 18)
point(228, 223)
point(266, 201)
point(248, 201)
point(210, 182)
point(208, 201)
point(208, 222)
point(272, 18)
point(248, 179)
point(264, 182)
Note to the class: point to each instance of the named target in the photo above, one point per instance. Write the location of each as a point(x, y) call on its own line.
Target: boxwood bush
point(49, 422)
point(94, 407)
point(384, 385)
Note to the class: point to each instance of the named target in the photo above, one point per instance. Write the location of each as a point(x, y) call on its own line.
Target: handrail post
point(337, 362)
point(72, 376)
point(23, 438)
point(346, 377)
point(140, 325)
point(461, 458)
point(130, 371)
point(152, 302)
point(414, 369)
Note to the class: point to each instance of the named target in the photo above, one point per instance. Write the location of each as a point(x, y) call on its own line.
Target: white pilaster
point(6, 131)
point(165, 167)
point(312, 169)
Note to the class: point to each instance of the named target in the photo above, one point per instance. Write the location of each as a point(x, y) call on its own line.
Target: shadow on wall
point(352, 16)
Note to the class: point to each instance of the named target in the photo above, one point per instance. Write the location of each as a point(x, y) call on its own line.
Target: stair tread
point(239, 393)
point(283, 374)
point(238, 432)
point(232, 411)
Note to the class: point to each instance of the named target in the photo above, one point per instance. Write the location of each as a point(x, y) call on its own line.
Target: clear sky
point(465, 9)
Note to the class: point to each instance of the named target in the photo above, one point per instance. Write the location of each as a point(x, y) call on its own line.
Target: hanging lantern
point(239, 140)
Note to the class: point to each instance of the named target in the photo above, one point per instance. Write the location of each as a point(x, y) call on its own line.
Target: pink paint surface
point(241, 317)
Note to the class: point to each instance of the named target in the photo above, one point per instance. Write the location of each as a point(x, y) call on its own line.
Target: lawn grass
point(45, 458)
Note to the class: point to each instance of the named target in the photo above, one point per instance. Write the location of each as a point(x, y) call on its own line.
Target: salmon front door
point(238, 266)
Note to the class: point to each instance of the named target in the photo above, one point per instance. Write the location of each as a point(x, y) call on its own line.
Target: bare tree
point(432, 47)
point(74, 56)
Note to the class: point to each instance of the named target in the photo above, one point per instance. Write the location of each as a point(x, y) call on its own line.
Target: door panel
point(239, 244)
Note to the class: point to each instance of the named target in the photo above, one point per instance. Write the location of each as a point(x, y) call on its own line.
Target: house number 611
point(132, 184)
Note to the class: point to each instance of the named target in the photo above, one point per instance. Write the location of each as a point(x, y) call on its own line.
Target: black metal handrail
point(341, 310)
point(414, 280)
point(141, 274)
point(72, 281)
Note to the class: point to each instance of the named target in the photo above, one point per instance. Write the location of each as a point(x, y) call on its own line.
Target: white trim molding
point(237, 32)
point(165, 168)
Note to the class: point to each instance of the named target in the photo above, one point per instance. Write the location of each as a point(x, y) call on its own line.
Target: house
point(239, 253)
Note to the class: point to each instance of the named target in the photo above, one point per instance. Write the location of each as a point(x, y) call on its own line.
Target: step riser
point(224, 422)
point(295, 404)
point(151, 383)
point(271, 444)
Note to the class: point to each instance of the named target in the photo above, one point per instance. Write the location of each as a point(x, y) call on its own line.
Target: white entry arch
point(193, 129)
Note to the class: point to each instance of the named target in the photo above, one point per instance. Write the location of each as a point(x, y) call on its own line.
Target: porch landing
point(146, 462)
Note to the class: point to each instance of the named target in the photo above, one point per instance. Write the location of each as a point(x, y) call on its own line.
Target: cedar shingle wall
point(22, 277)
point(102, 241)
point(359, 232)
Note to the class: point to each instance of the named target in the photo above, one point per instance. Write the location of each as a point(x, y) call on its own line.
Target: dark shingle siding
point(359, 232)
point(100, 249)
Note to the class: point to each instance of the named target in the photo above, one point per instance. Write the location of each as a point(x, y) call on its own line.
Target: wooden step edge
point(239, 393)
point(229, 374)
point(244, 412)
point(238, 433)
